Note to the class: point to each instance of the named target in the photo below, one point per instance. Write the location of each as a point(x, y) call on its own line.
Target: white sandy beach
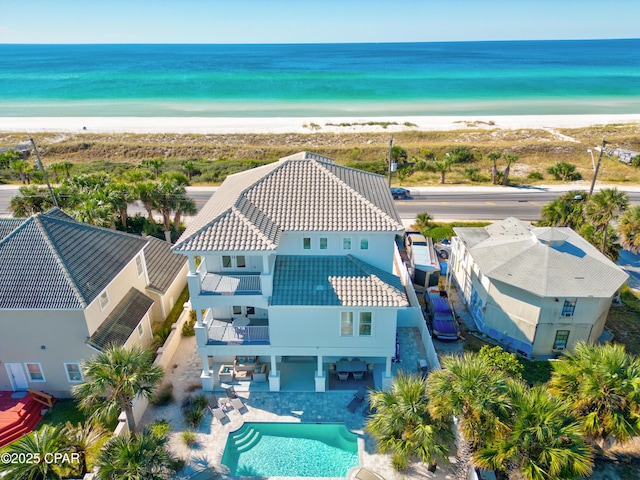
point(277, 125)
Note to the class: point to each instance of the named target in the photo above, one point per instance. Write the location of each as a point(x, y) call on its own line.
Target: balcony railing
point(228, 334)
point(215, 284)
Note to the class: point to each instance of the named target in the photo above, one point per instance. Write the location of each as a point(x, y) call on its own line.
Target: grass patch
point(63, 411)
point(176, 311)
point(623, 322)
point(536, 372)
point(438, 231)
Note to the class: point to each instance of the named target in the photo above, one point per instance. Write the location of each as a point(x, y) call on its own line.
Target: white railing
point(213, 283)
point(238, 335)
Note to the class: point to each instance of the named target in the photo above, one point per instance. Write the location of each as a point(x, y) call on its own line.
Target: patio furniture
point(247, 364)
point(358, 375)
point(351, 366)
point(231, 393)
point(363, 474)
point(260, 373)
point(332, 369)
point(226, 373)
point(219, 414)
point(238, 404)
point(356, 401)
point(343, 375)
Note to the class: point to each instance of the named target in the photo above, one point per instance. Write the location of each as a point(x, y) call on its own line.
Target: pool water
point(291, 450)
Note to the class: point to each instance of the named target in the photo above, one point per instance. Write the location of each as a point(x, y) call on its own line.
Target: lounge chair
point(363, 474)
point(218, 413)
point(356, 401)
point(238, 404)
point(231, 393)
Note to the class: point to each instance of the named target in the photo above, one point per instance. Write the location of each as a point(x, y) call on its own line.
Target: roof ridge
point(65, 271)
point(253, 227)
point(345, 186)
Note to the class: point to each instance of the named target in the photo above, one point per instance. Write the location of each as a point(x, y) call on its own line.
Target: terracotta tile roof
point(121, 323)
point(334, 281)
point(303, 192)
point(51, 261)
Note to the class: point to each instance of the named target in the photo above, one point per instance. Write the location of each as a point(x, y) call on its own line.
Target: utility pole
point(595, 172)
point(390, 159)
point(44, 173)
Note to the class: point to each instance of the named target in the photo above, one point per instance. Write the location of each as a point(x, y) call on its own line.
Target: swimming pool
point(291, 450)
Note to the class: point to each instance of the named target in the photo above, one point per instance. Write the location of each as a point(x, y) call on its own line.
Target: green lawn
point(63, 410)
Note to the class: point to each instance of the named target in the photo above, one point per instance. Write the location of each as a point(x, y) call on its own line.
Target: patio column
point(321, 383)
point(206, 376)
point(387, 378)
point(274, 376)
point(192, 264)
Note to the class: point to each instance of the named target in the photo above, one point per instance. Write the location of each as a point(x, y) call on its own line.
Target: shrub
point(188, 329)
point(193, 416)
point(535, 176)
point(194, 409)
point(564, 171)
point(160, 428)
point(189, 438)
point(163, 394)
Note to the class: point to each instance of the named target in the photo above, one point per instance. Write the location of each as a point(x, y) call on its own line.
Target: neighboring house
point(296, 264)
point(536, 291)
point(68, 289)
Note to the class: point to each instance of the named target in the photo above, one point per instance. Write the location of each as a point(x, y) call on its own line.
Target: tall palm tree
point(565, 211)
point(30, 200)
point(116, 377)
point(9, 156)
point(442, 166)
point(403, 426)
point(510, 159)
point(20, 166)
point(190, 168)
point(155, 164)
point(422, 220)
point(79, 439)
point(604, 207)
point(120, 196)
point(148, 193)
point(474, 391)
point(171, 190)
point(494, 156)
point(183, 205)
point(544, 441)
point(600, 383)
point(629, 229)
point(43, 443)
point(143, 456)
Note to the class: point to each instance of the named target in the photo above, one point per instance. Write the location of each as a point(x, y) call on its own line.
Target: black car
point(398, 193)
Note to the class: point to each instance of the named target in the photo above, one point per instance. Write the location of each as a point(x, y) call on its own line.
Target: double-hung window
point(35, 372)
point(560, 343)
point(364, 324)
point(74, 372)
point(569, 307)
point(346, 324)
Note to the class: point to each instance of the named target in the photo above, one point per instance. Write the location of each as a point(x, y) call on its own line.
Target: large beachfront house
point(536, 291)
point(293, 261)
point(68, 289)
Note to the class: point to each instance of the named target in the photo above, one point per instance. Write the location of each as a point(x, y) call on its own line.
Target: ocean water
point(454, 78)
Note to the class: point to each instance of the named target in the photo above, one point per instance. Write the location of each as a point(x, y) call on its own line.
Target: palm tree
point(600, 384)
point(403, 426)
point(144, 456)
point(442, 166)
point(422, 220)
point(67, 166)
point(9, 156)
point(604, 207)
point(565, 211)
point(120, 196)
point(543, 441)
point(494, 156)
point(20, 166)
point(30, 200)
point(171, 191)
point(190, 167)
point(56, 168)
point(510, 158)
point(80, 438)
point(116, 377)
point(183, 205)
point(155, 164)
point(629, 229)
point(148, 193)
point(474, 391)
point(39, 445)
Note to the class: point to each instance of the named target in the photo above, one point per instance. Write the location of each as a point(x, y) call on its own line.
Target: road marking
point(489, 203)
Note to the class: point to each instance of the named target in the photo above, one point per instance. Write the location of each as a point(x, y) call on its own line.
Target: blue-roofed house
point(68, 289)
point(294, 262)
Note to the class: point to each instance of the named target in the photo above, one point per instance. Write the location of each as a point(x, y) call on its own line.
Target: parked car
point(443, 323)
point(400, 193)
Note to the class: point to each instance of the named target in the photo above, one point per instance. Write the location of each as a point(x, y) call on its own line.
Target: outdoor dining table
point(351, 366)
point(240, 324)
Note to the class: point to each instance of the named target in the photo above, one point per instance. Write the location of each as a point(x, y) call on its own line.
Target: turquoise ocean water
point(458, 78)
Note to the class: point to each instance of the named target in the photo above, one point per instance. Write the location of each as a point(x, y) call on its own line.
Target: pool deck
point(287, 406)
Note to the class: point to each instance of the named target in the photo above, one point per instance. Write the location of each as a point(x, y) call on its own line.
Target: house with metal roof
point(293, 262)
point(535, 290)
point(68, 290)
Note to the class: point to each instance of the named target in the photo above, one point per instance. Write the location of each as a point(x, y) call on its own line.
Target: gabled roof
point(302, 192)
point(163, 266)
point(8, 225)
point(334, 281)
point(50, 261)
point(120, 324)
point(547, 261)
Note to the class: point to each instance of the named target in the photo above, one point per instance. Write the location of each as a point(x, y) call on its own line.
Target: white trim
point(26, 365)
point(66, 370)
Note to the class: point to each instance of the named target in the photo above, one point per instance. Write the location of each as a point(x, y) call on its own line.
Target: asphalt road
point(456, 203)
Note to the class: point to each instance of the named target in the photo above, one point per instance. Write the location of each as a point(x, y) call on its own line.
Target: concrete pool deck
point(184, 373)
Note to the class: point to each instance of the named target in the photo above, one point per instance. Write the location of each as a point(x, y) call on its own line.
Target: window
point(240, 261)
point(140, 330)
point(560, 343)
point(35, 372)
point(346, 244)
point(226, 261)
point(251, 311)
point(103, 299)
point(346, 324)
point(74, 373)
point(139, 268)
point(364, 326)
point(306, 243)
point(323, 243)
point(237, 310)
point(568, 308)
point(364, 244)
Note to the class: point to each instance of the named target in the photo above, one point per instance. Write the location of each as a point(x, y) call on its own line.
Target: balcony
point(215, 284)
point(223, 332)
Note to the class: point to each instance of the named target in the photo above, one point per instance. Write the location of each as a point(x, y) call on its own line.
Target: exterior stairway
point(21, 416)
